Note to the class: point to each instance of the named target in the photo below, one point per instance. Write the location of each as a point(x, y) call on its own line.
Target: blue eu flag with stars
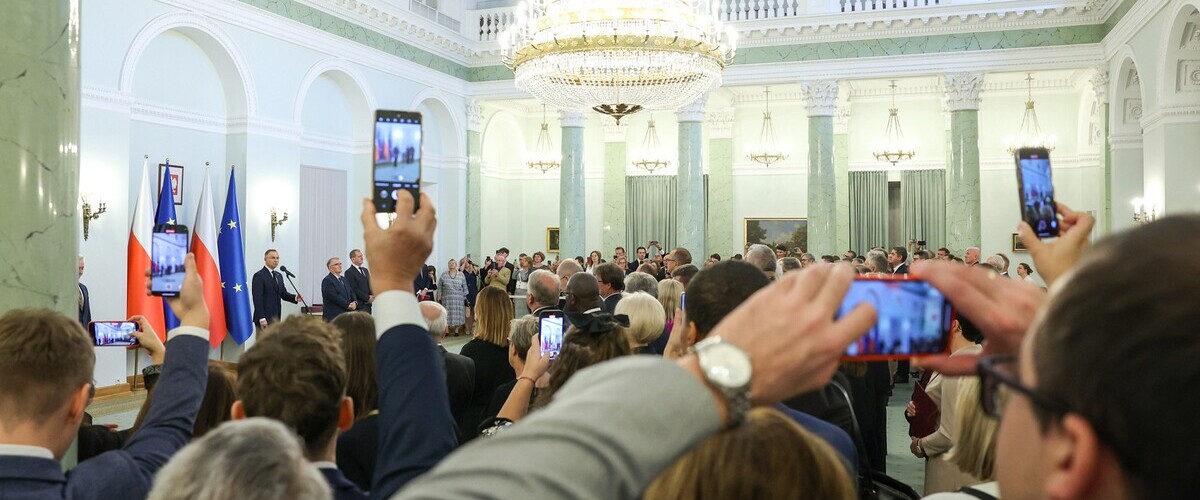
point(234, 288)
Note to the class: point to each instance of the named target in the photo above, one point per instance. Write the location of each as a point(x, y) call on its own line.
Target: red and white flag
point(204, 247)
point(137, 300)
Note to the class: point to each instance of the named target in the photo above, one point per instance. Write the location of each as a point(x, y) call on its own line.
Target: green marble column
point(841, 167)
point(40, 225)
point(615, 162)
point(689, 216)
point(571, 201)
point(820, 98)
point(963, 210)
point(474, 193)
point(720, 184)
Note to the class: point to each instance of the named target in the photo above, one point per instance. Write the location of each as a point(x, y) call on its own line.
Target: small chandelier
point(768, 151)
point(1144, 212)
point(544, 157)
point(653, 158)
point(1030, 134)
point(895, 148)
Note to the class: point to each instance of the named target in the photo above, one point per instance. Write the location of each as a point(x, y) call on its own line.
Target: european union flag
point(234, 288)
point(165, 214)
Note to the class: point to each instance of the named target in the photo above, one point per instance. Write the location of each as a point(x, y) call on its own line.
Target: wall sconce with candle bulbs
point(89, 215)
point(276, 221)
point(1144, 212)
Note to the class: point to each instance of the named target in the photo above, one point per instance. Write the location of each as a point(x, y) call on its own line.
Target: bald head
point(566, 269)
point(543, 289)
point(583, 293)
point(435, 318)
point(761, 256)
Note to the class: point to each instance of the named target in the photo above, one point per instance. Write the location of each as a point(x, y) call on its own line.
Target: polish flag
point(204, 247)
point(137, 298)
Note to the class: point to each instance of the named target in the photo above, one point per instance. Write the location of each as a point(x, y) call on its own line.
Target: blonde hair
point(493, 313)
point(646, 321)
point(668, 295)
point(768, 456)
point(974, 450)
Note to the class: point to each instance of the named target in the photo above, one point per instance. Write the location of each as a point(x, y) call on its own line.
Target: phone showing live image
point(1038, 207)
point(397, 158)
point(113, 333)
point(913, 319)
point(169, 248)
point(550, 330)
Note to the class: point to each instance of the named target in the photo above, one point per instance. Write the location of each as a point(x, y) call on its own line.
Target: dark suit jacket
point(610, 304)
point(422, 281)
point(85, 313)
point(267, 293)
point(342, 488)
point(128, 472)
point(460, 381)
point(361, 284)
point(335, 298)
point(901, 269)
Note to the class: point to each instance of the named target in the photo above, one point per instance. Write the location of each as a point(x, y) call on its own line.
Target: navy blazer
point(85, 312)
point(129, 472)
point(416, 429)
point(335, 298)
point(360, 283)
point(342, 488)
point(266, 294)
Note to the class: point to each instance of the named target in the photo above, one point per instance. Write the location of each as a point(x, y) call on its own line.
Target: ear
point(692, 334)
point(346, 414)
point(78, 404)
point(237, 412)
point(1073, 453)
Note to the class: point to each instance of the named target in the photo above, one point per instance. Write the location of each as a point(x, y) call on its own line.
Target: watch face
point(727, 365)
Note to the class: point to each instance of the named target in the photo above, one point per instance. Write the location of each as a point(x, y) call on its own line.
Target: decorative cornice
point(110, 100)
point(615, 133)
point(1099, 83)
point(572, 119)
point(1119, 141)
point(693, 112)
point(720, 124)
point(820, 97)
point(475, 121)
point(402, 24)
point(325, 142)
point(962, 91)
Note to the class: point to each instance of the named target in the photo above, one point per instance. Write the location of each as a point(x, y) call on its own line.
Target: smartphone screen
point(913, 319)
point(169, 247)
point(683, 300)
point(551, 331)
point(1038, 208)
point(113, 333)
point(397, 154)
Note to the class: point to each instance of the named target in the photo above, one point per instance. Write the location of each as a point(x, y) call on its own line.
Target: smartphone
point(913, 319)
point(397, 163)
point(1038, 208)
point(683, 300)
point(113, 333)
point(169, 248)
point(550, 329)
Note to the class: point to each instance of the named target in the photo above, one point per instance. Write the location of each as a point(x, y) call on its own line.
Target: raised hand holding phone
point(1055, 258)
point(408, 241)
point(149, 340)
point(397, 158)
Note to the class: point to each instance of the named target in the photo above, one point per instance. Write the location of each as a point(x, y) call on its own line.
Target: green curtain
point(868, 210)
point(650, 210)
point(923, 207)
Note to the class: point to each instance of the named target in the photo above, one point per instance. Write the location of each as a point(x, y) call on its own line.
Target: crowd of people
point(736, 391)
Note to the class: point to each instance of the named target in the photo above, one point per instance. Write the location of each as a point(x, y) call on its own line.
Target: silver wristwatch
point(728, 369)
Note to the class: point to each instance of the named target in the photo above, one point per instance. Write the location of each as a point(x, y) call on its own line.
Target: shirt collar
point(325, 465)
point(20, 450)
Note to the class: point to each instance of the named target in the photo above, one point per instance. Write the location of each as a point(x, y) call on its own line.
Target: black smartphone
point(683, 300)
point(1038, 208)
point(551, 328)
point(913, 319)
point(169, 248)
point(397, 163)
point(113, 333)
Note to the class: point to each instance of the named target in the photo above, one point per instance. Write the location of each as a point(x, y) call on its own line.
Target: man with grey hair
point(252, 459)
point(878, 263)
point(460, 370)
point(641, 282)
point(762, 257)
point(1000, 262)
point(971, 257)
point(543, 291)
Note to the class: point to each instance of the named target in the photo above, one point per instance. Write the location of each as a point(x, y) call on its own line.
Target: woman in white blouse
point(1026, 273)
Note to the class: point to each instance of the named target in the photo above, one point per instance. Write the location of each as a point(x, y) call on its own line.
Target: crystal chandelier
point(768, 151)
point(544, 156)
point(653, 157)
point(617, 56)
point(895, 148)
point(1030, 134)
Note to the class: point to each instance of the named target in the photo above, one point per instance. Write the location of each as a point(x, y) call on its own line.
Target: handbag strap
point(864, 465)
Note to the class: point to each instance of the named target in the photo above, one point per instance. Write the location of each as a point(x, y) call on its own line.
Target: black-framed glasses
point(999, 371)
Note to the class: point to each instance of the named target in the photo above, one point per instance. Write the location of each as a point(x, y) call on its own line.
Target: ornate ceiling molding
point(402, 24)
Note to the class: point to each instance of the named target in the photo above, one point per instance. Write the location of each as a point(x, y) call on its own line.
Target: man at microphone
point(268, 290)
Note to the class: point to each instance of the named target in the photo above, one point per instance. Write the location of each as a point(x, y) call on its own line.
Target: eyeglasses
point(999, 371)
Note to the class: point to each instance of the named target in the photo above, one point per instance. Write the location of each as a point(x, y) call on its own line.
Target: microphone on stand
point(285, 271)
point(289, 274)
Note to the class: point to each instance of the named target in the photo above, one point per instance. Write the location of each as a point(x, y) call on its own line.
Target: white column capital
point(962, 91)
point(475, 116)
point(615, 133)
point(720, 124)
point(569, 118)
point(1100, 84)
point(693, 112)
point(820, 97)
point(841, 117)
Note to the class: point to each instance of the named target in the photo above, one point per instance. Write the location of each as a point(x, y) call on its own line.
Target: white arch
point(1117, 88)
point(355, 79)
point(233, 70)
point(496, 119)
point(456, 116)
point(1170, 52)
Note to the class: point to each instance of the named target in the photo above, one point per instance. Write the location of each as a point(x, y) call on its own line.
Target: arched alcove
point(441, 129)
point(1128, 99)
point(1181, 52)
point(503, 144)
point(333, 101)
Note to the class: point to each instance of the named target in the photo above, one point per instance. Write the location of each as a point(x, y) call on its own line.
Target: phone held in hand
point(169, 248)
point(551, 327)
point(113, 333)
point(397, 158)
point(913, 319)
point(1038, 208)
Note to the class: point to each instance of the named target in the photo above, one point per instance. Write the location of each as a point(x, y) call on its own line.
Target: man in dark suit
point(898, 259)
point(85, 299)
point(336, 295)
point(359, 278)
point(611, 279)
point(267, 290)
point(460, 370)
point(46, 395)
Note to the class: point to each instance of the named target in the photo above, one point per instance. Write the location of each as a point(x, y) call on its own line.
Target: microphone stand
point(306, 309)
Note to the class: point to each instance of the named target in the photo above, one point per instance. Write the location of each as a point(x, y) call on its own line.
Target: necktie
point(345, 287)
point(278, 279)
point(80, 288)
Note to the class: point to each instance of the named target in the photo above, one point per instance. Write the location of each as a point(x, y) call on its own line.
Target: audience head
point(736, 256)
point(493, 312)
point(46, 362)
point(501, 256)
point(669, 293)
point(974, 450)
point(860, 260)
point(781, 251)
point(539, 259)
point(356, 257)
point(452, 265)
point(972, 256)
point(683, 274)
point(646, 321)
point(829, 259)
point(592, 339)
point(358, 347)
point(618, 252)
point(716, 292)
point(251, 459)
point(610, 278)
point(1024, 270)
point(543, 290)
point(334, 265)
point(790, 264)
point(580, 261)
point(79, 267)
point(807, 259)
point(641, 282)
point(996, 262)
point(594, 259)
point(297, 375)
point(921, 255)
point(583, 293)
point(648, 268)
point(849, 255)
point(767, 456)
point(897, 256)
point(641, 253)
point(435, 319)
point(678, 257)
point(943, 253)
point(566, 269)
point(215, 409)
point(861, 269)
point(520, 337)
point(761, 257)
point(877, 261)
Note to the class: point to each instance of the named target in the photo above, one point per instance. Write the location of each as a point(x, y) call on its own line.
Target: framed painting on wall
point(176, 173)
point(1017, 245)
point(770, 231)
point(552, 244)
